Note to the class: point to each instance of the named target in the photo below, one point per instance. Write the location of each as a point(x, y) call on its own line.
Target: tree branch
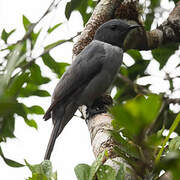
point(102, 13)
point(137, 87)
point(33, 25)
point(166, 176)
point(168, 31)
point(23, 68)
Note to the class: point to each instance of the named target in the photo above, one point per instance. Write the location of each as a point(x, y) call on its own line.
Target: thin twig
point(173, 101)
point(23, 68)
point(136, 86)
point(151, 128)
point(52, 6)
point(171, 129)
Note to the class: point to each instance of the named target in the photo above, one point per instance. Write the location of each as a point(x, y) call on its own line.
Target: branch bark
point(169, 31)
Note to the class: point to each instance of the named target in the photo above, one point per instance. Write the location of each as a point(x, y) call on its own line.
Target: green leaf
point(12, 163)
point(55, 44)
point(83, 10)
point(42, 171)
point(121, 173)
point(150, 16)
point(31, 123)
point(106, 172)
point(36, 77)
point(165, 121)
point(96, 164)
point(34, 110)
point(5, 35)
point(53, 28)
point(34, 168)
point(172, 128)
point(47, 168)
point(41, 93)
point(155, 140)
point(17, 84)
point(154, 3)
point(54, 175)
point(32, 90)
point(174, 144)
point(20, 110)
point(57, 68)
point(13, 58)
point(163, 53)
point(124, 91)
point(136, 114)
point(149, 21)
point(135, 54)
point(9, 161)
point(7, 126)
point(70, 6)
point(8, 107)
point(139, 67)
point(26, 23)
point(124, 71)
point(82, 171)
point(170, 162)
point(35, 36)
point(81, 6)
point(38, 177)
point(126, 146)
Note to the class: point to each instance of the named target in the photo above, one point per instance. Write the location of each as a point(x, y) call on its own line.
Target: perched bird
point(88, 77)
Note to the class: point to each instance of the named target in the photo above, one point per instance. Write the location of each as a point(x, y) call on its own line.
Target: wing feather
point(86, 65)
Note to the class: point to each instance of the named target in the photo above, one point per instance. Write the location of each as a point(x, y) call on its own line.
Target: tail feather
point(61, 115)
point(52, 140)
point(47, 115)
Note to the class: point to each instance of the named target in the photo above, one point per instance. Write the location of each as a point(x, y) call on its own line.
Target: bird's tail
point(52, 140)
point(61, 115)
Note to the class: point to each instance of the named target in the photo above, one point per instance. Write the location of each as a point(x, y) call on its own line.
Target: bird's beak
point(133, 26)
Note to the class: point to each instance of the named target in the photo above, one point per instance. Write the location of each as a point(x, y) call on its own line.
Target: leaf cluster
point(99, 171)
point(21, 77)
point(42, 171)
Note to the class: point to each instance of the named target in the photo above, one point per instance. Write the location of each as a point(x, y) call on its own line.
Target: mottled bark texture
point(102, 13)
point(169, 31)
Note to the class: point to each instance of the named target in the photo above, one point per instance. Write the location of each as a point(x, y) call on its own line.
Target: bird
point(88, 77)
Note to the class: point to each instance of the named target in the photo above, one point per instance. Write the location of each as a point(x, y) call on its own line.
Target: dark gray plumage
point(88, 77)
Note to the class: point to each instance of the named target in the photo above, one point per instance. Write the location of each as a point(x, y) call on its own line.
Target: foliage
point(81, 6)
point(140, 116)
point(9, 161)
point(21, 77)
point(131, 126)
point(42, 171)
point(132, 121)
point(96, 170)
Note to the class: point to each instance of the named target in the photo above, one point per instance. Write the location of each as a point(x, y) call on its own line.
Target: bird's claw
point(90, 112)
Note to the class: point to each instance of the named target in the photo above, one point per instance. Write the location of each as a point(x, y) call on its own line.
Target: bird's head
point(114, 32)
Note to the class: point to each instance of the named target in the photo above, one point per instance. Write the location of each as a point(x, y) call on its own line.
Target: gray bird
point(88, 77)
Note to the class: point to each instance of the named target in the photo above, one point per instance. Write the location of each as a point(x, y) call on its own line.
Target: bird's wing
point(86, 65)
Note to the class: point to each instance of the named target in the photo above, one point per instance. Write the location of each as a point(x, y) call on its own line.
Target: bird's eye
point(113, 27)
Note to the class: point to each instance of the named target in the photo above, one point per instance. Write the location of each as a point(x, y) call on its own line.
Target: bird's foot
point(99, 106)
point(94, 111)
